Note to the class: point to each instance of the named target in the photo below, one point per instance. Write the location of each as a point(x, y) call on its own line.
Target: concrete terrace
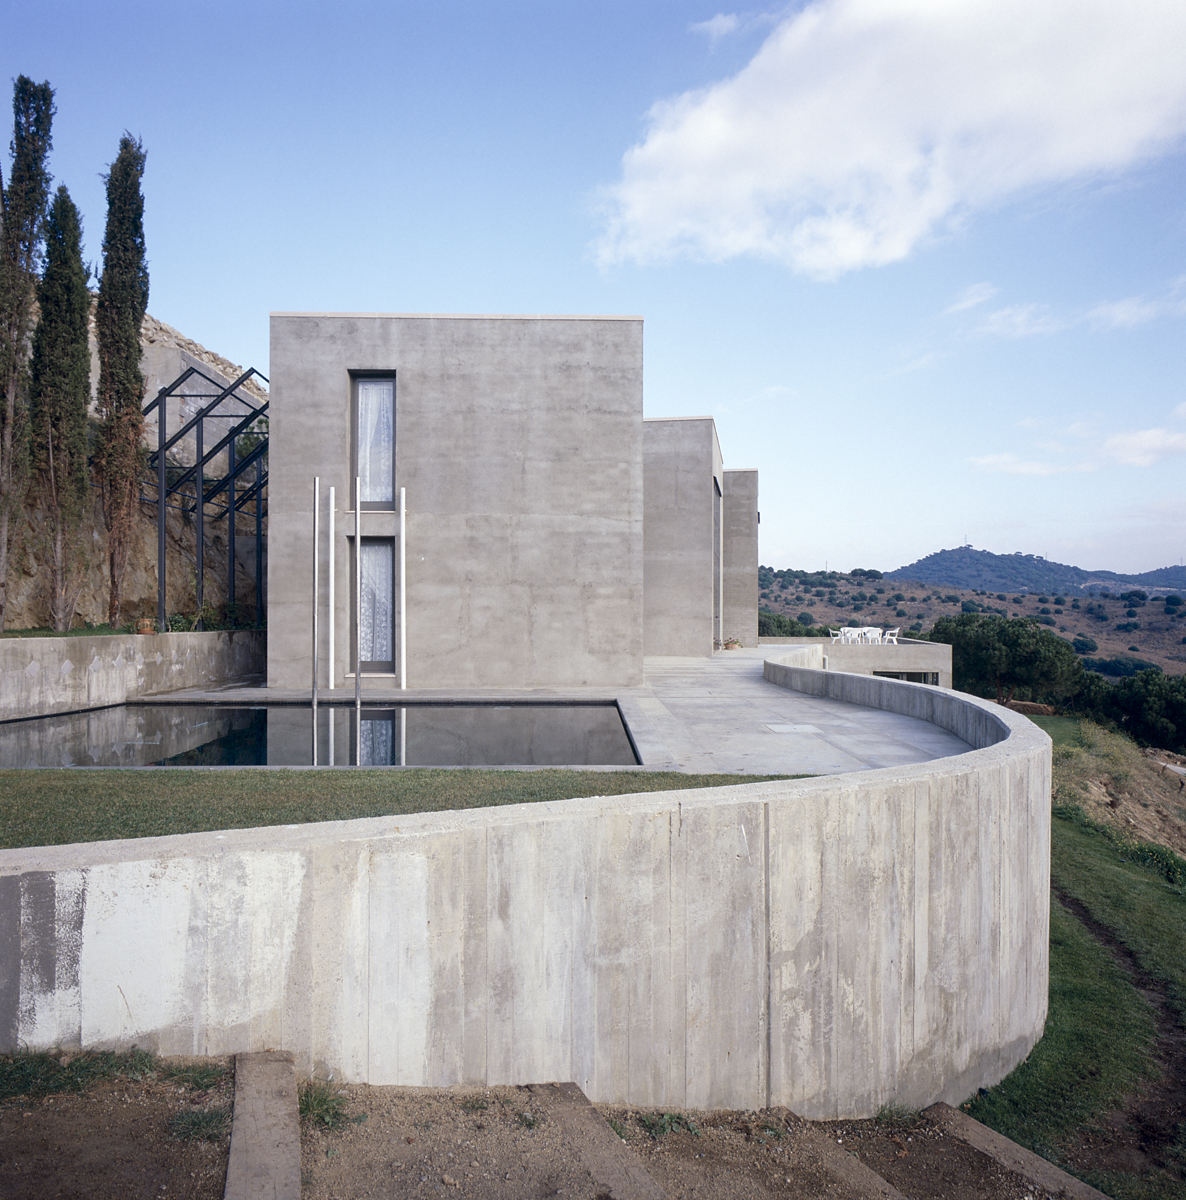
point(702, 715)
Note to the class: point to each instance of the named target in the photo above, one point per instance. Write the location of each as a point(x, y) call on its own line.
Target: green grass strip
point(1063, 731)
point(32, 1074)
point(1134, 889)
point(1099, 1038)
point(54, 808)
point(1097, 1046)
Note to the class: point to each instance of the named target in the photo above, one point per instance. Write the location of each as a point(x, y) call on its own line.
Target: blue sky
point(924, 262)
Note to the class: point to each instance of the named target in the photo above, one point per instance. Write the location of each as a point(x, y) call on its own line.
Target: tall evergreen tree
point(123, 299)
point(59, 390)
point(22, 214)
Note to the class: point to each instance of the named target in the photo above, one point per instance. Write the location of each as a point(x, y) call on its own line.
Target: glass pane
point(376, 439)
point(378, 742)
point(378, 562)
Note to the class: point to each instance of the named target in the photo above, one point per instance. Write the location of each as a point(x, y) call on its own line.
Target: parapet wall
point(828, 944)
point(864, 658)
point(41, 676)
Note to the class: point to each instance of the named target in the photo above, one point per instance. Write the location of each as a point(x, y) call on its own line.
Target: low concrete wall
point(829, 944)
point(905, 657)
point(40, 676)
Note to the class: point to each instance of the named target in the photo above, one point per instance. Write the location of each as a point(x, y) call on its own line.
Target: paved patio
point(701, 715)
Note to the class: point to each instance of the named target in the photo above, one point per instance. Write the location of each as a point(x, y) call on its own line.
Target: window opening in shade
point(377, 618)
point(376, 442)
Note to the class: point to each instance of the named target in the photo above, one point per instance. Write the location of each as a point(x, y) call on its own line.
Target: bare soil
point(111, 1142)
point(502, 1142)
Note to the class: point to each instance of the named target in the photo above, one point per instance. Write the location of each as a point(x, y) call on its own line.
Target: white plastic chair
point(837, 635)
point(891, 635)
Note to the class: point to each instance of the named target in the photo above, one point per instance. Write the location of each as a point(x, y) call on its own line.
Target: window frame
point(357, 377)
point(380, 666)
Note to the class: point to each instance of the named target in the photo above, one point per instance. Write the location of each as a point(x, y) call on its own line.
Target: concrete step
point(1029, 1166)
point(265, 1158)
point(265, 1155)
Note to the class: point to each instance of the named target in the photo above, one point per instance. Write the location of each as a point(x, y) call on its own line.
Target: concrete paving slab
point(1029, 1166)
point(615, 1168)
point(714, 715)
point(265, 1158)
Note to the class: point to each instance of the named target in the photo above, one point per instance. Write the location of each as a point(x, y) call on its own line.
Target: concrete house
point(552, 537)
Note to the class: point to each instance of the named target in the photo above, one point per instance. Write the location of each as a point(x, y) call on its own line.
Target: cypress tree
point(22, 213)
point(123, 299)
point(59, 390)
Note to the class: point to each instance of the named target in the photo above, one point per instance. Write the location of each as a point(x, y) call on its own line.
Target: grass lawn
point(1063, 731)
point(53, 808)
point(1099, 1038)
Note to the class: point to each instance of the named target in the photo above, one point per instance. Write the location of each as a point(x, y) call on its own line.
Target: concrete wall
point(682, 538)
point(39, 676)
point(519, 441)
point(906, 657)
point(740, 547)
point(829, 944)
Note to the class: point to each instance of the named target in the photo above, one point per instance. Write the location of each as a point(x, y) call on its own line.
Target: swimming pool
point(443, 733)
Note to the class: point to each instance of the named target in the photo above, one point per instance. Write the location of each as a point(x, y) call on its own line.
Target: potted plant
point(732, 644)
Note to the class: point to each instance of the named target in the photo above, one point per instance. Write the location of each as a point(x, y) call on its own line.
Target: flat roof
point(360, 316)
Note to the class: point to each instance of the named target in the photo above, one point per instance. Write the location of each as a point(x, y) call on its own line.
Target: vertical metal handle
point(358, 620)
point(316, 586)
point(403, 591)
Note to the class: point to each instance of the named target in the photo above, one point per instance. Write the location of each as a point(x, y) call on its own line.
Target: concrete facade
point(829, 944)
point(519, 443)
point(740, 550)
point(683, 486)
point(41, 676)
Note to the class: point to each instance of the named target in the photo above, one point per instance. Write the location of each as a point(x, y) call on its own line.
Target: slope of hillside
point(1104, 628)
point(964, 567)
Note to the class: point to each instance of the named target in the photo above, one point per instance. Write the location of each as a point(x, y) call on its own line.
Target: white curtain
point(377, 747)
point(376, 439)
point(378, 609)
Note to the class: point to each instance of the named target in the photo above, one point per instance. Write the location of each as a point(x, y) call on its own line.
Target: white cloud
point(1010, 464)
point(1019, 321)
point(1129, 312)
point(970, 297)
point(1180, 412)
point(1144, 447)
point(863, 127)
point(718, 27)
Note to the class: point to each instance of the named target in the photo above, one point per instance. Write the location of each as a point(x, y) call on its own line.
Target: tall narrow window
point(377, 638)
point(375, 440)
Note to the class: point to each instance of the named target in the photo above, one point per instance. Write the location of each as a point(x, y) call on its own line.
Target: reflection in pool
point(438, 734)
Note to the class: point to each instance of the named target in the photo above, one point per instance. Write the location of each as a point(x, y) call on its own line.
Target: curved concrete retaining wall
point(829, 944)
point(40, 676)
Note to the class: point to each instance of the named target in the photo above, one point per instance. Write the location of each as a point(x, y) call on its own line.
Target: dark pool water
point(420, 735)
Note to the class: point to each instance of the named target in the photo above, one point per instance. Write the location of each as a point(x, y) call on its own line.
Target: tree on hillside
point(123, 299)
point(59, 390)
point(22, 213)
point(993, 654)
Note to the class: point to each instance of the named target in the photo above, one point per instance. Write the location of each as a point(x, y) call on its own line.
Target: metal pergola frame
point(235, 500)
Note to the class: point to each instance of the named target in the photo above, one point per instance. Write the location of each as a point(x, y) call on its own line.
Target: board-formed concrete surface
point(39, 676)
point(519, 443)
point(829, 944)
point(683, 572)
point(739, 544)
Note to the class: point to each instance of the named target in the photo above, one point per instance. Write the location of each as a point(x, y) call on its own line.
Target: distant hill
point(967, 568)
